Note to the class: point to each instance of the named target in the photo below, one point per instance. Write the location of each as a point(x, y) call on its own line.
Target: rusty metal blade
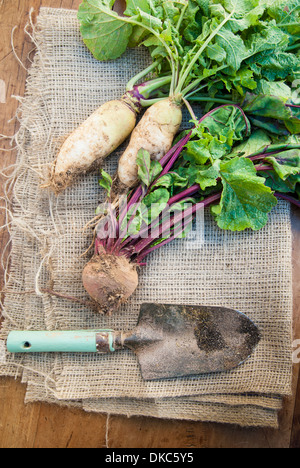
point(174, 341)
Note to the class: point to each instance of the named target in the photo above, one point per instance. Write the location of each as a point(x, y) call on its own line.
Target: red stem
point(179, 197)
point(163, 229)
point(263, 167)
point(168, 155)
point(134, 199)
point(146, 252)
point(184, 194)
point(201, 205)
point(175, 156)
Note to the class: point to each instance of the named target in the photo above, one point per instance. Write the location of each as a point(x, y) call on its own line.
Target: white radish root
point(109, 280)
point(155, 133)
point(96, 138)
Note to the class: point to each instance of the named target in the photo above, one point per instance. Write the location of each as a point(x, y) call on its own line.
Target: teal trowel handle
point(83, 341)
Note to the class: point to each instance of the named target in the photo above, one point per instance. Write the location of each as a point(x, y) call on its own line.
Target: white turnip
point(92, 142)
point(155, 133)
point(102, 133)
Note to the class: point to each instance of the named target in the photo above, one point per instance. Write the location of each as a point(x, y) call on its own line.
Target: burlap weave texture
point(249, 271)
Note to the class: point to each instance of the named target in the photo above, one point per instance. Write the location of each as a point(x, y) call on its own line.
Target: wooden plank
point(295, 431)
point(295, 437)
point(69, 428)
point(18, 422)
point(40, 425)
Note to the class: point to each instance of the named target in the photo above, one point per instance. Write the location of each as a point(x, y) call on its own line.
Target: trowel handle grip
point(83, 341)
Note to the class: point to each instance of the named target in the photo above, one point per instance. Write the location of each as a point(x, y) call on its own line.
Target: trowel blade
point(175, 340)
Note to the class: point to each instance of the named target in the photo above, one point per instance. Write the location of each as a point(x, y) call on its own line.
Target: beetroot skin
point(110, 280)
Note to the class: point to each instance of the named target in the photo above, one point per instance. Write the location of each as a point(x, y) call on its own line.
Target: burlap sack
point(249, 271)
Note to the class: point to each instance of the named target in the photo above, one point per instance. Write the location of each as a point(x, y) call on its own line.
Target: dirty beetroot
point(110, 280)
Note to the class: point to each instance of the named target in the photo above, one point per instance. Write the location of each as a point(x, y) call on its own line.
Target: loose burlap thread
point(249, 271)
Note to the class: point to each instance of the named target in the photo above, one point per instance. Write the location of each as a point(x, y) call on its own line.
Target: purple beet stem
point(178, 218)
point(288, 198)
point(142, 247)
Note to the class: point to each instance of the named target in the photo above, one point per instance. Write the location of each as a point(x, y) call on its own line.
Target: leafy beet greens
point(241, 156)
point(207, 49)
point(221, 162)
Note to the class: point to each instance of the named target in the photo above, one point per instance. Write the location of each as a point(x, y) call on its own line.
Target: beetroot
point(110, 280)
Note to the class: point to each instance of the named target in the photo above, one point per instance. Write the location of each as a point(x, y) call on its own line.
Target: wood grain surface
point(39, 425)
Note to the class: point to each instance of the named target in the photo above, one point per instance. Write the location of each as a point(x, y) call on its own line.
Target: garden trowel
point(169, 340)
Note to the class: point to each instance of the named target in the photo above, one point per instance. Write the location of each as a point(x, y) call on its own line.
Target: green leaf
point(160, 195)
point(244, 79)
point(282, 170)
point(287, 15)
point(188, 173)
point(234, 47)
point(106, 182)
point(246, 201)
point(147, 170)
point(257, 141)
point(172, 12)
point(276, 127)
point(274, 66)
point(211, 141)
point(146, 213)
point(166, 34)
point(182, 205)
point(134, 6)
point(207, 177)
point(138, 36)
point(102, 209)
point(155, 170)
point(150, 21)
point(164, 181)
point(178, 181)
point(247, 13)
point(135, 224)
point(143, 162)
point(152, 41)
point(216, 209)
point(229, 122)
point(286, 163)
point(216, 52)
point(276, 183)
point(155, 203)
point(104, 33)
point(191, 24)
point(171, 180)
point(293, 123)
point(266, 106)
point(204, 5)
point(275, 108)
point(269, 37)
point(197, 152)
point(277, 88)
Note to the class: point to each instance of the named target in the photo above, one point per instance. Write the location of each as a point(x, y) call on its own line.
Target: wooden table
point(39, 425)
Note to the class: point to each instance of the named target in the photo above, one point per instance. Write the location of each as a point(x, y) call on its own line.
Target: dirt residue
point(118, 188)
point(110, 280)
